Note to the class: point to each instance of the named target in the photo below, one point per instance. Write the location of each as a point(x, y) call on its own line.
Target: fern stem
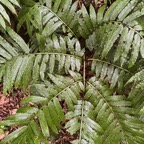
point(82, 116)
point(84, 71)
point(56, 54)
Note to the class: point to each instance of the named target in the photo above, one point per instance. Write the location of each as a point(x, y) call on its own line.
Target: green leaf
point(119, 7)
point(100, 14)
point(34, 99)
point(5, 54)
point(54, 114)
point(9, 5)
point(51, 63)
point(135, 50)
point(6, 46)
point(127, 46)
point(59, 109)
point(18, 40)
point(36, 68)
point(29, 3)
point(2, 22)
point(14, 135)
point(113, 35)
point(43, 123)
point(49, 119)
point(4, 13)
point(129, 7)
point(38, 136)
point(51, 26)
point(110, 10)
point(21, 70)
point(26, 109)
point(142, 48)
point(133, 16)
point(92, 15)
point(15, 2)
point(114, 78)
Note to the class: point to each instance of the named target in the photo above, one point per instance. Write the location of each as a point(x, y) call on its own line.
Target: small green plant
point(89, 59)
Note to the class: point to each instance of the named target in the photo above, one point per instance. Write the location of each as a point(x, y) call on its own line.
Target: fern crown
point(86, 58)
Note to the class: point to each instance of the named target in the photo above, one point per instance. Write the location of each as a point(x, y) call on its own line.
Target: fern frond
point(97, 95)
point(3, 13)
point(60, 54)
point(33, 67)
point(60, 44)
point(121, 29)
point(50, 115)
point(129, 47)
point(67, 89)
point(110, 73)
point(49, 16)
point(82, 121)
point(113, 113)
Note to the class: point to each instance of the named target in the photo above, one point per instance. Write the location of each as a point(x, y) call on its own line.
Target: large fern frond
point(50, 116)
point(84, 68)
point(119, 32)
point(49, 16)
point(114, 113)
point(60, 55)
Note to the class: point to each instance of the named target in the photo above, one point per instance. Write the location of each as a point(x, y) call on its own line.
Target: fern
point(3, 13)
point(88, 58)
point(118, 28)
point(82, 121)
point(107, 108)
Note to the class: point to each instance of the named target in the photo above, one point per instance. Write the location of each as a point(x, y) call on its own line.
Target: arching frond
point(60, 55)
point(119, 26)
point(82, 122)
point(50, 115)
point(84, 66)
point(49, 16)
point(33, 67)
point(113, 113)
point(63, 87)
